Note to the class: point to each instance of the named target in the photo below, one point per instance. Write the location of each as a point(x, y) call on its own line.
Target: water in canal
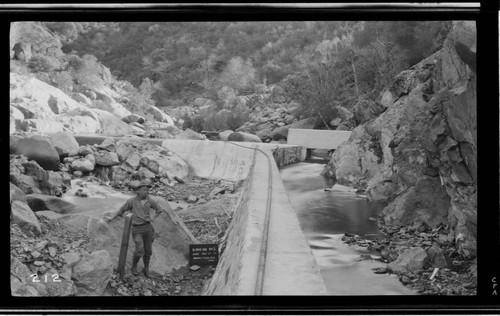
point(324, 218)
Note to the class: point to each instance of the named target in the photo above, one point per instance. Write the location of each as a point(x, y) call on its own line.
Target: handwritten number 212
point(55, 278)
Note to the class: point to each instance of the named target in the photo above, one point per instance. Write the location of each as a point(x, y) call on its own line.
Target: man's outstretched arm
point(109, 216)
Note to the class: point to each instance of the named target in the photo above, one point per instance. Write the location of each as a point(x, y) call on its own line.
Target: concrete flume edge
point(291, 268)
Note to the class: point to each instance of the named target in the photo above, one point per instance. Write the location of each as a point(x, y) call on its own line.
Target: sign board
point(203, 254)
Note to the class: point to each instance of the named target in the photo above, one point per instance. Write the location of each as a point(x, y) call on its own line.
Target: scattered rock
point(106, 158)
point(410, 260)
point(194, 268)
point(381, 270)
point(82, 165)
point(71, 258)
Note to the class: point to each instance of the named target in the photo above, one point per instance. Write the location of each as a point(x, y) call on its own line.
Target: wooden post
point(124, 246)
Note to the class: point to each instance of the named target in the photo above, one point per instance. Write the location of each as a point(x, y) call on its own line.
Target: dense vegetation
point(319, 64)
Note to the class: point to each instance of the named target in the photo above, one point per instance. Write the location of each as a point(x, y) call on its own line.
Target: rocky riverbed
point(424, 259)
point(57, 250)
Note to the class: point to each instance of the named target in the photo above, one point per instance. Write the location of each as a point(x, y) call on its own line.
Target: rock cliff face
point(419, 155)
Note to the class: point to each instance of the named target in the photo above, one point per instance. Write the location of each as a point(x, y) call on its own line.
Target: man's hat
point(136, 184)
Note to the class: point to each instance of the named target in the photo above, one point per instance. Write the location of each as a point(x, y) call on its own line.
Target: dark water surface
point(324, 218)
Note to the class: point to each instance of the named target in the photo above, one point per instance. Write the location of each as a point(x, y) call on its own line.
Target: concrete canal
point(324, 217)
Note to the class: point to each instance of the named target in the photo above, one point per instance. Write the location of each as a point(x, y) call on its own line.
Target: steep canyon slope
point(419, 157)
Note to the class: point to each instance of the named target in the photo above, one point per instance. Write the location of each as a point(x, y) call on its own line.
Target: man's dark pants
point(143, 237)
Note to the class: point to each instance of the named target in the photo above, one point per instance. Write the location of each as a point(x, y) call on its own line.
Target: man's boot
point(146, 267)
point(135, 261)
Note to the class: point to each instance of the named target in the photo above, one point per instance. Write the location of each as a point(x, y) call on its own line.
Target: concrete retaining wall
point(290, 266)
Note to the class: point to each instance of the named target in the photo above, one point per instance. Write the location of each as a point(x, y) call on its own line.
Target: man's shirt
point(140, 209)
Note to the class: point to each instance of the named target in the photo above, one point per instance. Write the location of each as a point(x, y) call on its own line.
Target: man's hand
point(108, 216)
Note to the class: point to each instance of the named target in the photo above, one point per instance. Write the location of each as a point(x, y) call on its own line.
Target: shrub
point(42, 63)
point(238, 117)
point(188, 123)
point(198, 123)
point(62, 80)
point(75, 62)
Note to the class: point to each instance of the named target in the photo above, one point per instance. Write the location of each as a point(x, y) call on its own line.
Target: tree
point(238, 74)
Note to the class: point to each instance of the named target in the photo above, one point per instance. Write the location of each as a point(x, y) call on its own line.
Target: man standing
point(142, 230)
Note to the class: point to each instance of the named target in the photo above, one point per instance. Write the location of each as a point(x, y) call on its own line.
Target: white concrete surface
point(318, 139)
point(290, 266)
point(223, 160)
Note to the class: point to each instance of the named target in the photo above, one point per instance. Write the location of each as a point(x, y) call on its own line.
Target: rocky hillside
point(418, 155)
point(51, 92)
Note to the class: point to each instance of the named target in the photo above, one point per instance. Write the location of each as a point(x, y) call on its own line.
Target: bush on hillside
point(214, 120)
point(59, 79)
point(41, 63)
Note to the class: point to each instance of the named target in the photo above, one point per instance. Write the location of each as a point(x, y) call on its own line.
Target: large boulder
point(65, 144)
point(22, 181)
point(280, 133)
point(92, 273)
point(425, 202)
point(437, 258)
point(159, 115)
point(244, 137)
point(111, 124)
point(40, 126)
point(23, 216)
point(164, 164)
point(49, 182)
point(225, 135)
point(411, 260)
point(41, 202)
point(31, 178)
point(32, 109)
point(25, 87)
point(355, 161)
point(132, 118)
point(172, 238)
point(78, 124)
point(17, 194)
point(39, 149)
point(81, 98)
point(111, 106)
